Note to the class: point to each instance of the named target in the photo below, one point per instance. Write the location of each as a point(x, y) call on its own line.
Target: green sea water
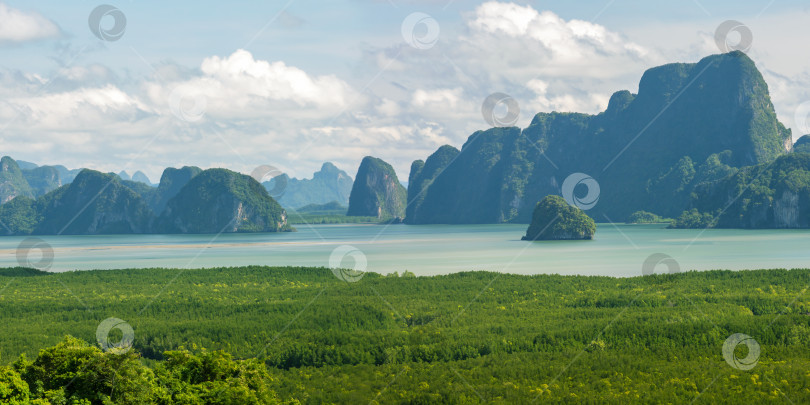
point(617, 250)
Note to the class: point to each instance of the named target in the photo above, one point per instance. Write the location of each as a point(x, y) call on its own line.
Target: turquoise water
point(617, 250)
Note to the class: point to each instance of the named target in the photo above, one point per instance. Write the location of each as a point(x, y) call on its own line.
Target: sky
point(294, 83)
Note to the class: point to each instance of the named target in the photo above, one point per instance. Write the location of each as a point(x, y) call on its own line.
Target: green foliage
point(555, 219)
point(22, 272)
point(693, 219)
point(329, 213)
point(73, 372)
point(13, 390)
point(470, 337)
point(296, 218)
point(802, 145)
point(644, 217)
point(19, 216)
point(213, 378)
point(330, 208)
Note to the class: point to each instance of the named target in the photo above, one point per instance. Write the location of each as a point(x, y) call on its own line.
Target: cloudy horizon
point(295, 84)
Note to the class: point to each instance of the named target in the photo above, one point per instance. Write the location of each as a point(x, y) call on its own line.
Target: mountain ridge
point(688, 123)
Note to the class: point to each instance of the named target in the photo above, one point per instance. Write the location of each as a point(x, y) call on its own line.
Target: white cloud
point(568, 40)
point(439, 98)
point(272, 112)
point(78, 110)
point(241, 87)
point(19, 26)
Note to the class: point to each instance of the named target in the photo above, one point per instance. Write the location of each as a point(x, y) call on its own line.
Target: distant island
point(188, 200)
point(555, 219)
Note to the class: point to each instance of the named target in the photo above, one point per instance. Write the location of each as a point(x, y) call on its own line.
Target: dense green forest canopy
point(471, 337)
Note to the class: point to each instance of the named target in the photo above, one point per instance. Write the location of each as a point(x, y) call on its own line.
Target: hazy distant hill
point(689, 123)
point(327, 185)
point(42, 179)
point(140, 177)
point(26, 165)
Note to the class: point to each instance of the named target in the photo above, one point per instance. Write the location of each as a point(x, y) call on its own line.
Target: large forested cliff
point(688, 124)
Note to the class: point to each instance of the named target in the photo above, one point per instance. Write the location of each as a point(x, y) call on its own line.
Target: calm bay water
point(435, 249)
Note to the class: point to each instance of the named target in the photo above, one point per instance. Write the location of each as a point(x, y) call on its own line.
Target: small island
point(555, 219)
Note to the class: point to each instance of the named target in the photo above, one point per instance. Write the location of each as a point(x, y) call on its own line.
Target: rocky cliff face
point(42, 179)
point(769, 195)
point(12, 181)
point(376, 191)
point(219, 200)
point(689, 123)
